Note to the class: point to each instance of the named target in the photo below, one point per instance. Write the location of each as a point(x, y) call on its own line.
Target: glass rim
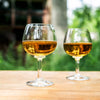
point(38, 24)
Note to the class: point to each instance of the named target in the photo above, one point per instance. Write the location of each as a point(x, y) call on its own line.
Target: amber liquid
point(39, 48)
point(77, 49)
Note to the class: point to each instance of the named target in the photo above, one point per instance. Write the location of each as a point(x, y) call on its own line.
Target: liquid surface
point(39, 48)
point(77, 49)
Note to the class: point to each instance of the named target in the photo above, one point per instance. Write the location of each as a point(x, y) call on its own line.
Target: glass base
point(78, 77)
point(39, 83)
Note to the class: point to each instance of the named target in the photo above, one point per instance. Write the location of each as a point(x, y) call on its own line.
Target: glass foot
point(78, 77)
point(39, 83)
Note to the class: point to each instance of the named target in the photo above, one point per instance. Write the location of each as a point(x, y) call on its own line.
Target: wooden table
point(13, 86)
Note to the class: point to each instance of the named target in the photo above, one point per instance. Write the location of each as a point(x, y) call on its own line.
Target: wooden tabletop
point(13, 86)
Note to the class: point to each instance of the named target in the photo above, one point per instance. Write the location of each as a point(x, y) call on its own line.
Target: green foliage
point(83, 14)
point(92, 60)
point(56, 61)
point(84, 18)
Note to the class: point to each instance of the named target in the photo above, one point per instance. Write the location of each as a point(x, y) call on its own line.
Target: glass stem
point(77, 66)
point(39, 68)
point(77, 59)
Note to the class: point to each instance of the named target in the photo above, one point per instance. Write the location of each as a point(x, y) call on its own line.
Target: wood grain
point(13, 86)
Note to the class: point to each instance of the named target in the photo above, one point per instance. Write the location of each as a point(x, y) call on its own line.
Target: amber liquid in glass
point(77, 49)
point(39, 48)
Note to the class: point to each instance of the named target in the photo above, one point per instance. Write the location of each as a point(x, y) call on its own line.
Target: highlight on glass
point(39, 40)
point(77, 43)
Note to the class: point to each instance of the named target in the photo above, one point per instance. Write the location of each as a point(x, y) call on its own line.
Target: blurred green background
point(83, 17)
